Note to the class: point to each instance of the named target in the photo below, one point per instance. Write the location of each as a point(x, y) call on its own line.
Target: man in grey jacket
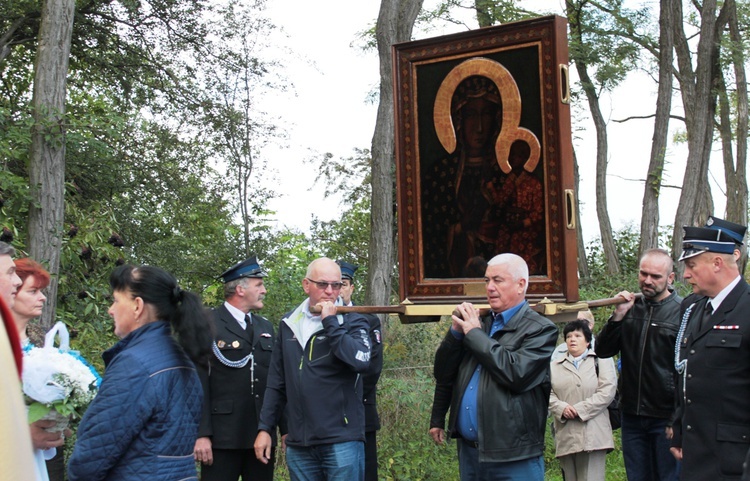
point(498, 370)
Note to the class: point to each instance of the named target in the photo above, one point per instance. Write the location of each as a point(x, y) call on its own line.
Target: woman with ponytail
point(144, 421)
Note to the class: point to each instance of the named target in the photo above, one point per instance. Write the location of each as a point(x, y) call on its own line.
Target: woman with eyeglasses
point(144, 422)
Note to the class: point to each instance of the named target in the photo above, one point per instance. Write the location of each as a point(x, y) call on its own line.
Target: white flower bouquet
point(57, 383)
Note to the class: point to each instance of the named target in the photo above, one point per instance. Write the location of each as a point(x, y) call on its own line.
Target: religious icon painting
point(484, 160)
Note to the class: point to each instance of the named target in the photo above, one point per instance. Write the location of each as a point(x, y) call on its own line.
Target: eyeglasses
point(336, 286)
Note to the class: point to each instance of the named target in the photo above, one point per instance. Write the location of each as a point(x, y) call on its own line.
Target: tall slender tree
point(654, 176)
point(735, 169)
point(47, 155)
point(395, 23)
point(699, 100)
point(582, 53)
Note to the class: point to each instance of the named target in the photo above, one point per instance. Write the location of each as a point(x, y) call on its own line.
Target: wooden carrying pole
point(558, 312)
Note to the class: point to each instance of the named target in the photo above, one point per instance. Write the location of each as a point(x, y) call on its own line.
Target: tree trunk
point(700, 107)
point(583, 266)
point(736, 175)
point(47, 153)
point(395, 23)
point(605, 227)
point(650, 211)
point(735, 172)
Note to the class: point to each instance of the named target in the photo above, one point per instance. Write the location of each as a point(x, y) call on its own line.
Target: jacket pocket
point(266, 343)
point(222, 407)
point(722, 349)
point(320, 348)
point(734, 440)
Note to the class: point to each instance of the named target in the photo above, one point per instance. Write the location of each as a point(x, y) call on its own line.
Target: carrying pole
point(412, 313)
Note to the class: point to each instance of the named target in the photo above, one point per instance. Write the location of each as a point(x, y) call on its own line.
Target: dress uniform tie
point(249, 328)
point(706, 318)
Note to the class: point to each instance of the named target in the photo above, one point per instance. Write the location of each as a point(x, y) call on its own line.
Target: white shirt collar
point(716, 301)
point(238, 315)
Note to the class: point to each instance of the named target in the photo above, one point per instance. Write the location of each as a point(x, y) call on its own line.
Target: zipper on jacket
point(644, 340)
point(312, 344)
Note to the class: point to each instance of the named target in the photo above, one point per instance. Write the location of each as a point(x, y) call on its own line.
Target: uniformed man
point(712, 433)
point(370, 378)
point(236, 380)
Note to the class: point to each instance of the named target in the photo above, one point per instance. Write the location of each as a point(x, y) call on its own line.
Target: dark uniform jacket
point(234, 396)
point(645, 339)
point(714, 390)
point(514, 384)
point(320, 385)
point(370, 378)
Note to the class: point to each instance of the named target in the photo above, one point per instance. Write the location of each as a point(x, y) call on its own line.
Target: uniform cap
point(347, 269)
point(246, 268)
point(718, 235)
point(735, 231)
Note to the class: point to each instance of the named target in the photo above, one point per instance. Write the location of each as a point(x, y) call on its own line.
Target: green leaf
point(37, 411)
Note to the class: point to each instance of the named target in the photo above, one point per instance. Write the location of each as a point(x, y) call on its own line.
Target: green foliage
point(347, 237)
point(286, 261)
point(140, 183)
point(600, 39)
point(486, 13)
point(602, 284)
point(405, 391)
point(405, 450)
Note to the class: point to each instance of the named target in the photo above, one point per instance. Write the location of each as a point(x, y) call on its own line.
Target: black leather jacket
point(645, 339)
point(514, 383)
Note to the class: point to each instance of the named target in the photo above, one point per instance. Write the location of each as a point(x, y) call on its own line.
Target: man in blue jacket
point(498, 369)
point(315, 374)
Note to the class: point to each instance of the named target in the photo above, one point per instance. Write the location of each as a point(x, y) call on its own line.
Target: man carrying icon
point(315, 378)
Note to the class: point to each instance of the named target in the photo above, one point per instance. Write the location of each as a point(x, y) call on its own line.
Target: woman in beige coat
point(578, 402)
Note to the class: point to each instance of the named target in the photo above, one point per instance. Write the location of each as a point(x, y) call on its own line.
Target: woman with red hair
point(30, 296)
point(28, 305)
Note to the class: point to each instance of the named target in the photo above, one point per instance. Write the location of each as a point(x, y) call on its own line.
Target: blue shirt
point(466, 420)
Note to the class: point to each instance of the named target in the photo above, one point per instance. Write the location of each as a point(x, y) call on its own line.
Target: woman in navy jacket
point(144, 421)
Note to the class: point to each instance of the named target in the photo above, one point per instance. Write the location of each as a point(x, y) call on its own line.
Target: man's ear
point(521, 285)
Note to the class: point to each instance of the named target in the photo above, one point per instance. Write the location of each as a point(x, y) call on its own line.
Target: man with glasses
point(315, 380)
point(236, 381)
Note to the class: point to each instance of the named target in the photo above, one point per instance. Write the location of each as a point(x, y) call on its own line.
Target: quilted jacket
point(144, 421)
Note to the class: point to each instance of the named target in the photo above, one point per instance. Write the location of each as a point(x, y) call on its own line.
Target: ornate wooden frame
point(530, 57)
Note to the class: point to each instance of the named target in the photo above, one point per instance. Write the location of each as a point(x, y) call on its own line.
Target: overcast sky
point(331, 114)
